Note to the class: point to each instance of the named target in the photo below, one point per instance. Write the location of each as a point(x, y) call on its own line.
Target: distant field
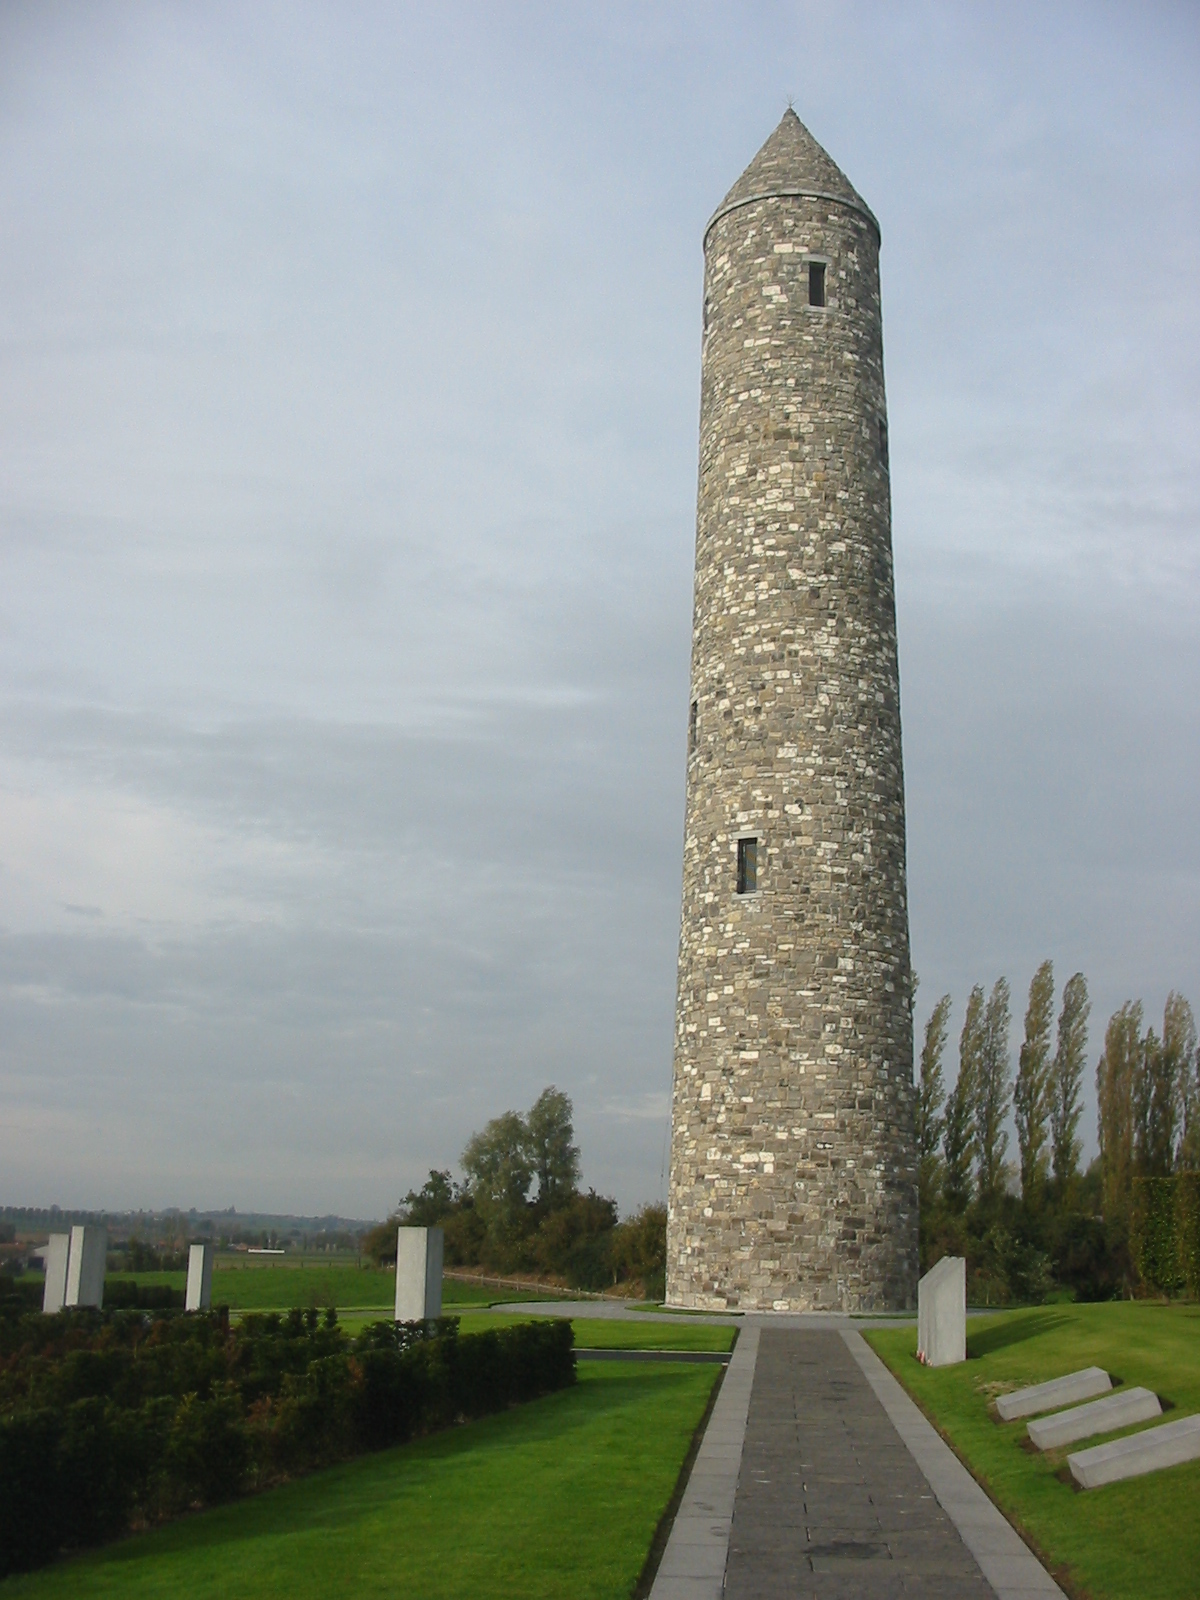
point(279, 1285)
point(1138, 1540)
point(558, 1497)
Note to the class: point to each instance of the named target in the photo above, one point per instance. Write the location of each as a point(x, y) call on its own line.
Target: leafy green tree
point(499, 1174)
point(427, 1206)
point(993, 1092)
point(1179, 1037)
point(553, 1157)
point(1161, 1095)
point(930, 1098)
point(959, 1127)
point(1066, 1078)
point(1117, 1075)
point(1031, 1092)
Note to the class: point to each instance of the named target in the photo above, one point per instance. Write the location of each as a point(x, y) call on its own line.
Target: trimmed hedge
point(1187, 1229)
point(108, 1420)
point(1152, 1235)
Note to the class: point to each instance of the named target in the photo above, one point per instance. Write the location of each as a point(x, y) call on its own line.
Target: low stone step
point(1120, 1410)
point(1151, 1451)
point(1065, 1391)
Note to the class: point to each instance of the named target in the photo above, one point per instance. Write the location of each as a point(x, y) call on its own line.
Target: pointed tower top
point(793, 163)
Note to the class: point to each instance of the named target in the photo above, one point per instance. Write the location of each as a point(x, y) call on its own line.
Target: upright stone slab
point(199, 1278)
point(1065, 1391)
point(418, 1274)
point(85, 1266)
point(942, 1313)
point(54, 1295)
point(1120, 1410)
point(1152, 1451)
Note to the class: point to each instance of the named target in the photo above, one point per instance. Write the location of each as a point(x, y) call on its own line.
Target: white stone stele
point(418, 1274)
point(1065, 1391)
point(1120, 1410)
point(54, 1295)
point(942, 1313)
point(85, 1266)
point(1151, 1451)
point(199, 1278)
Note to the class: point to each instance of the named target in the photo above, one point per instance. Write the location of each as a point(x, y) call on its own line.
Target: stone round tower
point(793, 1165)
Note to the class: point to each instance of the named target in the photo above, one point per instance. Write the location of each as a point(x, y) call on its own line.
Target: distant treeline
point(498, 1220)
point(1062, 1227)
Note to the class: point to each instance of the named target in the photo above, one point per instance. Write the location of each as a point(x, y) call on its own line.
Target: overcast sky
point(349, 379)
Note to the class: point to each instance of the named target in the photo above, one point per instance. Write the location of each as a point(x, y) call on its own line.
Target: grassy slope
point(558, 1497)
point(1140, 1538)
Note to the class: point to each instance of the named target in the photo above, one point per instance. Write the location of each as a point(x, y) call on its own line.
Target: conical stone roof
point(793, 163)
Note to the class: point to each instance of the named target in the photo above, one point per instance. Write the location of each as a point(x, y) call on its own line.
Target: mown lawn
point(280, 1287)
point(1137, 1539)
point(559, 1497)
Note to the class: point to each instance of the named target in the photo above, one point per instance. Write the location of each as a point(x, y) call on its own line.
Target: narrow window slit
point(747, 866)
point(693, 726)
point(816, 283)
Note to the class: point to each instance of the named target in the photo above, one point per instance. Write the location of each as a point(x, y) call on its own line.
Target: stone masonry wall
point(793, 1182)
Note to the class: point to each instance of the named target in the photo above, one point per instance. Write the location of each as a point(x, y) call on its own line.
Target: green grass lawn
point(1140, 1538)
point(558, 1497)
point(279, 1286)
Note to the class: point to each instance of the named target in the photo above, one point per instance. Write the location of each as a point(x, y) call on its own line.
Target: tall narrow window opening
point(816, 283)
point(747, 877)
point(883, 448)
point(693, 723)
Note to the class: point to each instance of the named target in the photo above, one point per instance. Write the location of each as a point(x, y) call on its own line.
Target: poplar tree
point(1179, 1036)
point(1166, 1069)
point(930, 1097)
point(1031, 1092)
point(993, 1091)
point(958, 1132)
point(1066, 1077)
point(1117, 1075)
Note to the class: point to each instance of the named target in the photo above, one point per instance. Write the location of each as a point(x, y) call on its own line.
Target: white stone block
point(199, 1278)
point(1120, 1410)
point(942, 1313)
point(54, 1295)
point(85, 1266)
point(1065, 1391)
point(1151, 1451)
point(418, 1274)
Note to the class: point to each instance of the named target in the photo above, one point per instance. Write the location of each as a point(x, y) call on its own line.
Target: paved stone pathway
point(830, 1502)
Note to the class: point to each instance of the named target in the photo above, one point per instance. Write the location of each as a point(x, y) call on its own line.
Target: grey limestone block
point(1166, 1446)
point(942, 1313)
point(199, 1278)
point(85, 1266)
point(418, 1274)
point(1065, 1391)
point(54, 1294)
point(793, 1162)
point(1120, 1410)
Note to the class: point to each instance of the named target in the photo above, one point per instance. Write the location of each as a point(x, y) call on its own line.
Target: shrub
point(105, 1417)
point(123, 1294)
point(1187, 1229)
point(1152, 1237)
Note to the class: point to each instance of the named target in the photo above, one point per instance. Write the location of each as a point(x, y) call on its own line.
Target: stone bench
point(1151, 1451)
point(1065, 1391)
point(1119, 1410)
